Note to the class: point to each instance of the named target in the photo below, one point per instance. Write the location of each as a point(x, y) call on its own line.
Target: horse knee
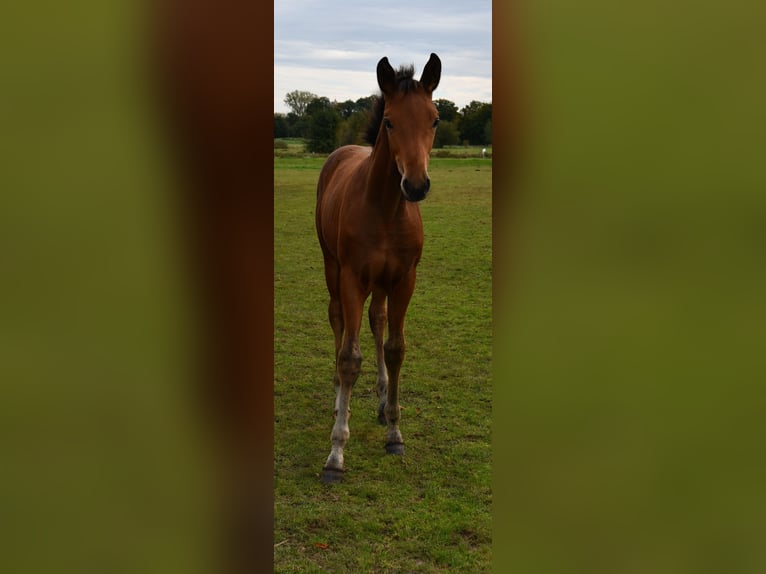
point(394, 351)
point(349, 364)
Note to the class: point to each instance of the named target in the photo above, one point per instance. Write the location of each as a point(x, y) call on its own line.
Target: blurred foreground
point(630, 310)
point(136, 290)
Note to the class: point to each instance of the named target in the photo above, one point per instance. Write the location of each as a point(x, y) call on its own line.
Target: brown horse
point(371, 233)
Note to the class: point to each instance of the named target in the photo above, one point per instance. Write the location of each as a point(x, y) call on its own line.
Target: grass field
point(430, 510)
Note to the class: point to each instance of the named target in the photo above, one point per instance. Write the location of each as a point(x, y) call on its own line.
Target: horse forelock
point(405, 83)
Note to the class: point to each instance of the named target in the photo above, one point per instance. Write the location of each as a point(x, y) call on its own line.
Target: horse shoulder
point(336, 181)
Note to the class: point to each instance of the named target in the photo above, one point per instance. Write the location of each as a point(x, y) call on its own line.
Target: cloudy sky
point(331, 48)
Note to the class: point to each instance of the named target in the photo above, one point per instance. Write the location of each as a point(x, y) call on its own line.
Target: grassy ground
point(428, 511)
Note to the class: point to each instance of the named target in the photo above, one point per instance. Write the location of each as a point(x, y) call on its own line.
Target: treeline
point(327, 124)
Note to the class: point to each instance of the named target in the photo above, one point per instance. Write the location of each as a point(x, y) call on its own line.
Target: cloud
point(331, 48)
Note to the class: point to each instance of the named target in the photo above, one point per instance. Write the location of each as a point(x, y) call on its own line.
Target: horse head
point(410, 119)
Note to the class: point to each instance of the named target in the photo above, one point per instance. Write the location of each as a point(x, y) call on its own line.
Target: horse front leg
point(378, 317)
point(394, 357)
point(336, 322)
point(349, 364)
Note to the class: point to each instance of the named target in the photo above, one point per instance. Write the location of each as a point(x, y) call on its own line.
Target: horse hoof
point(395, 448)
point(331, 475)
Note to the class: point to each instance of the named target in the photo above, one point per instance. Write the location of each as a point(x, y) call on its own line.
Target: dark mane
point(406, 83)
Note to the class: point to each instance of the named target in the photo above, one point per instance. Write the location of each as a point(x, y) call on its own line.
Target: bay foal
point(371, 234)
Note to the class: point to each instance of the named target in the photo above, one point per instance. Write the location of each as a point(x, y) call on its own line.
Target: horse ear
point(431, 73)
point(386, 76)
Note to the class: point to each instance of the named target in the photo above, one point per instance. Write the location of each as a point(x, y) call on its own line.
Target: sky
point(332, 48)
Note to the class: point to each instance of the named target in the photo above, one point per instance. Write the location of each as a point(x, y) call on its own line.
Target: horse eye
point(387, 123)
point(436, 122)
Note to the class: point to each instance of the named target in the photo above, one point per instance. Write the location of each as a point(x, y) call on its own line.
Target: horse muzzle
point(415, 193)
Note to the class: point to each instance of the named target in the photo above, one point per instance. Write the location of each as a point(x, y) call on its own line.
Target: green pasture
point(429, 510)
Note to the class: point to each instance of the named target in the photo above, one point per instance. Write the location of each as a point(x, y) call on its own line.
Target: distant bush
point(461, 152)
point(446, 134)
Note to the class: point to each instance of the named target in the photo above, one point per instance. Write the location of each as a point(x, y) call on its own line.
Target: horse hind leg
point(378, 318)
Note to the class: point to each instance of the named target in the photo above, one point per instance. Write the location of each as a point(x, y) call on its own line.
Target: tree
point(298, 101)
point(365, 104)
point(473, 122)
point(351, 131)
point(447, 110)
point(298, 126)
point(324, 119)
point(281, 127)
point(345, 109)
point(446, 134)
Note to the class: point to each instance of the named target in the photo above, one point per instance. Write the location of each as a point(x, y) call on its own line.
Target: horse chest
point(382, 258)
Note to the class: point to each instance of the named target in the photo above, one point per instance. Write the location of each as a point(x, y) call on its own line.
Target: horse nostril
point(413, 193)
point(423, 189)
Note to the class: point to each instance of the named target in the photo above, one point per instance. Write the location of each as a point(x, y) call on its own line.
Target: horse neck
point(384, 180)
